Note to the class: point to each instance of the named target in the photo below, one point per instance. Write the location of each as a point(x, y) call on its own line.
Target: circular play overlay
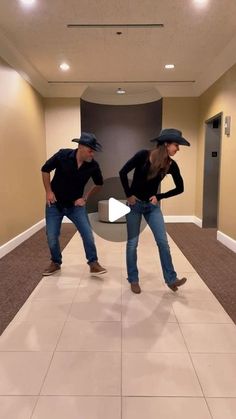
point(106, 211)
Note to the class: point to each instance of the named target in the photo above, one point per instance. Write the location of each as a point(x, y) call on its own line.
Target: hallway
point(84, 347)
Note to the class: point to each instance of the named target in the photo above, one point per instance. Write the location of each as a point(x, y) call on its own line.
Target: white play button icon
point(116, 209)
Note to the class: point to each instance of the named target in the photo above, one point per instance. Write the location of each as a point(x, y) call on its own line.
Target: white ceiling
point(200, 41)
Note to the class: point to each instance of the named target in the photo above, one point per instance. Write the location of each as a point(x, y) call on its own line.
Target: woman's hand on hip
point(153, 200)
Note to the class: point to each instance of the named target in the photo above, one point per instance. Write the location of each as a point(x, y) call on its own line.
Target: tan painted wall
point(220, 97)
point(62, 119)
point(22, 150)
point(183, 114)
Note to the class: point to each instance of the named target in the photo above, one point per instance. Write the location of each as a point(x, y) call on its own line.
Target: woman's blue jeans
point(154, 218)
point(78, 215)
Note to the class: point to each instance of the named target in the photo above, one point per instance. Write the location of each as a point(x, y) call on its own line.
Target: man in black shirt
point(65, 197)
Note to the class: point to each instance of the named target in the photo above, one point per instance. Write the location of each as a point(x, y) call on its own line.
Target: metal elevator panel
point(211, 173)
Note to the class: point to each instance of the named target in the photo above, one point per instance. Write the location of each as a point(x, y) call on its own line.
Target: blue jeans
point(154, 218)
point(78, 215)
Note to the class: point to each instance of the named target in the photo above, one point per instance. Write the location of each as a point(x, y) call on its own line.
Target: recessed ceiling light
point(169, 66)
point(27, 2)
point(64, 66)
point(120, 91)
point(200, 3)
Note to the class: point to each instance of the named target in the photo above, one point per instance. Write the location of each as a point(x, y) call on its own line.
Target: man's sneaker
point(53, 267)
point(135, 287)
point(96, 268)
point(177, 283)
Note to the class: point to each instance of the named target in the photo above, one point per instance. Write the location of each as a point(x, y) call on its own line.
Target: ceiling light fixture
point(120, 91)
point(200, 3)
point(64, 66)
point(27, 2)
point(169, 66)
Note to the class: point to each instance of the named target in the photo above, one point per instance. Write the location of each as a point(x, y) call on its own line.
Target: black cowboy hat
point(89, 140)
point(171, 135)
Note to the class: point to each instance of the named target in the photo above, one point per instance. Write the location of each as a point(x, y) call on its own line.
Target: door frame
point(208, 121)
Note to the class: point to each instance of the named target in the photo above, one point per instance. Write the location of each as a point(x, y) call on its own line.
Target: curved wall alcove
point(122, 130)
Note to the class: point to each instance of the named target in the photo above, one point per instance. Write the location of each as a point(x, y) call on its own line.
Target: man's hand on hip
point(132, 200)
point(50, 198)
point(80, 202)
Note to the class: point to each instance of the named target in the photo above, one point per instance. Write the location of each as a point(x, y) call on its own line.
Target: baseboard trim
point(197, 221)
point(16, 241)
point(168, 219)
point(66, 220)
point(227, 241)
point(182, 219)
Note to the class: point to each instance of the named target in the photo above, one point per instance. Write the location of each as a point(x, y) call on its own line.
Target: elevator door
point(211, 173)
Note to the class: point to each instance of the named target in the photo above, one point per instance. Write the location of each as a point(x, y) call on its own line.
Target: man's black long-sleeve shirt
point(69, 181)
point(143, 188)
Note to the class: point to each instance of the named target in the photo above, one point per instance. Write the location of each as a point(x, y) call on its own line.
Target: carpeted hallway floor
point(21, 271)
point(214, 262)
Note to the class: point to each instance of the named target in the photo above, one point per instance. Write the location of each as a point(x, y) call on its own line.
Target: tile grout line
point(53, 353)
point(191, 360)
point(121, 344)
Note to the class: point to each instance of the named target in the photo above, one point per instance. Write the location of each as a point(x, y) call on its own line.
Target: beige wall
point(183, 114)
point(62, 120)
point(22, 151)
point(220, 97)
point(24, 146)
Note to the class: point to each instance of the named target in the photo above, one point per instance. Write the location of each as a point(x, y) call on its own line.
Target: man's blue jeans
point(78, 215)
point(154, 218)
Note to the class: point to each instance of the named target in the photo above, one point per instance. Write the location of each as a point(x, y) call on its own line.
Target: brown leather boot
point(173, 287)
point(96, 268)
point(177, 283)
point(135, 287)
point(180, 282)
point(53, 267)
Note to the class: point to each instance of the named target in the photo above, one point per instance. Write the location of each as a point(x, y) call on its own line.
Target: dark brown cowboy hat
point(171, 135)
point(89, 140)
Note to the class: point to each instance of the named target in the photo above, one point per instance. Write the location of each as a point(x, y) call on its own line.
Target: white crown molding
point(222, 63)
point(65, 90)
point(15, 59)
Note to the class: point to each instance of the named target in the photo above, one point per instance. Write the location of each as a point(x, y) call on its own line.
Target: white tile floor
point(85, 347)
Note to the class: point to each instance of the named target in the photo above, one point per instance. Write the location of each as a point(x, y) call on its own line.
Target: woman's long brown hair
point(160, 161)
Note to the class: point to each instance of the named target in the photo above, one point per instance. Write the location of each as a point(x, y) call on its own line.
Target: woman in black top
point(150, 167)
